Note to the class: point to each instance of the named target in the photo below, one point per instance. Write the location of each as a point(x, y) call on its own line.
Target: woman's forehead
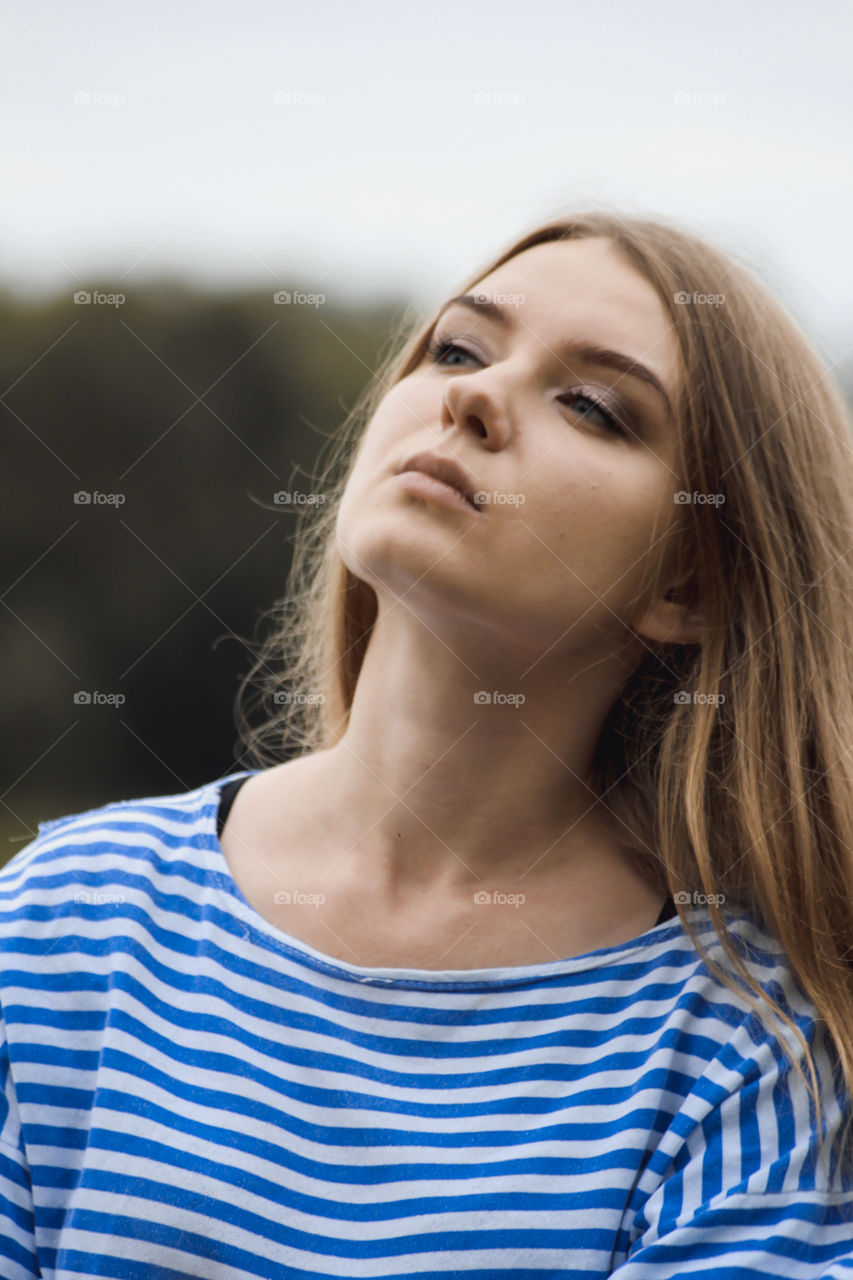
point(585, 290)
point(563, 271)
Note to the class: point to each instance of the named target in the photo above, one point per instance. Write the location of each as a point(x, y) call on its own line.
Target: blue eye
point(612, 423)
point(438, 350)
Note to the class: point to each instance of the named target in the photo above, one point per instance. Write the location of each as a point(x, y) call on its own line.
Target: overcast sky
point(369, 146)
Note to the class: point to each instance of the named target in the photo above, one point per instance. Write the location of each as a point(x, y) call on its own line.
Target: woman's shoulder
point(117, 816)
point(84, 859)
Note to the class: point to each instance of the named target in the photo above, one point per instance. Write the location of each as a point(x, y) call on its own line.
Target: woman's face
point(579, 507)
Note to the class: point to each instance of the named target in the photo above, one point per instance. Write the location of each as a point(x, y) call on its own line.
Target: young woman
point(535, 959)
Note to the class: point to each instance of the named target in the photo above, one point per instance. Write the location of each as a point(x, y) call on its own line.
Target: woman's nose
point(471, 406)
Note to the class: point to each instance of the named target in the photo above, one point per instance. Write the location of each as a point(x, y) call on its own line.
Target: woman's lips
point(448, 470)
point(424, 486)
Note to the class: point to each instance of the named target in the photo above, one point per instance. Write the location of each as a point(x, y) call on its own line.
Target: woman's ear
point(671, 620)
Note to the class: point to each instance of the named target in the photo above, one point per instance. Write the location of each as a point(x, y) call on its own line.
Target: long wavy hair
point(743, 795)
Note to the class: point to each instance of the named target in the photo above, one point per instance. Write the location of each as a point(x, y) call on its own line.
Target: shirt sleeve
point(747, 1237)
point(743, 1185)
point(18, 1259)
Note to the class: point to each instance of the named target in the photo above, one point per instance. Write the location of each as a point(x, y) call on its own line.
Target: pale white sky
point(367, 146)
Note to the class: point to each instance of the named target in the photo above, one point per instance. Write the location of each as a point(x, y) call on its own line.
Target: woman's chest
point(346, 1148)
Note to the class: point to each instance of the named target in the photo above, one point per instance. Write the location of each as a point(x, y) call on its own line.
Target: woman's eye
point(594, 408)
point(439, 350)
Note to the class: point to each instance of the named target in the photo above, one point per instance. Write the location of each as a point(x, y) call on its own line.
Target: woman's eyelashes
point(440, 349)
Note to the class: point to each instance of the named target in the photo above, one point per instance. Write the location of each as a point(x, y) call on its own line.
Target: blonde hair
point(744, 796)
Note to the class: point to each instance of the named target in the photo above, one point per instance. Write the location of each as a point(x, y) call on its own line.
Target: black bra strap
point(667, 911)
point(226, 799)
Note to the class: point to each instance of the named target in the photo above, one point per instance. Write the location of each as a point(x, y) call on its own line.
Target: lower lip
point(424, 486)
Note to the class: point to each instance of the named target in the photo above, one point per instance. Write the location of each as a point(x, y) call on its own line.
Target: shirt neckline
point(502, 975)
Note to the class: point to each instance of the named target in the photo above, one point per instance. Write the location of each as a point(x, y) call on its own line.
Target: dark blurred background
point(181, 415)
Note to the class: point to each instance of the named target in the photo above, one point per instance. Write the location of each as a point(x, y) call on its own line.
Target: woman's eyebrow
point(590, 354)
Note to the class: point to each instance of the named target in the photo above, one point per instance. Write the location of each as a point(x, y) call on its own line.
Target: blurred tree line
point(181, 414)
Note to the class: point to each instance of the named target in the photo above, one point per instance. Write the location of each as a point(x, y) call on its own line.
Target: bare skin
point(432, 796)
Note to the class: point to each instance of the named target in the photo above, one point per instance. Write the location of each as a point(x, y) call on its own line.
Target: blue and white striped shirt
point(187, 1092)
